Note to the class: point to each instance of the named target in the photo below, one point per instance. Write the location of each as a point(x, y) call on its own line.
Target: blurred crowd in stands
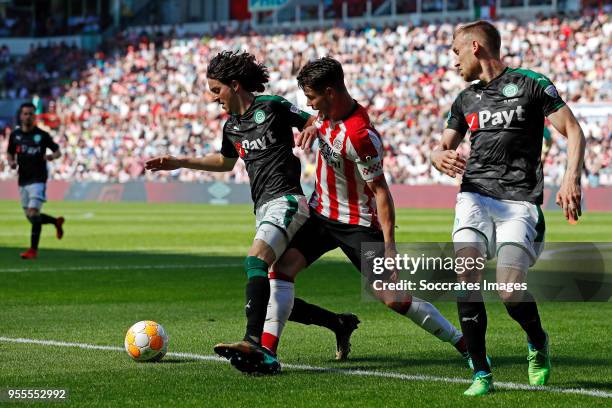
point(145, 95)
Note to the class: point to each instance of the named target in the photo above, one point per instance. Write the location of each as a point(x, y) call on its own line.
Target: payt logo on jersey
point(472, 121)
point(239, 149)
point(486, 118)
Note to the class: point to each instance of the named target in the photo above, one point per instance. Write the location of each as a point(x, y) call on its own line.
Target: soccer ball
point(146, 341)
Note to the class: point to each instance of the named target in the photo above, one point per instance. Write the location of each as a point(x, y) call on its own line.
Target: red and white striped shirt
point(350, 154)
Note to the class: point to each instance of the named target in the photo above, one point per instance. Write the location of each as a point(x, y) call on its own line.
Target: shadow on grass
point(74, 259)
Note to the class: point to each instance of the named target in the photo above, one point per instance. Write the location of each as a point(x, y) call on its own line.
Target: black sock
point(526, 314)
point(47, 219)
point(473, 319)
point(35, 235)
point(257, 297)
point(307, 313)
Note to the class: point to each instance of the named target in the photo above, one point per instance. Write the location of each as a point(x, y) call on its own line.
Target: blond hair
point(484, 32)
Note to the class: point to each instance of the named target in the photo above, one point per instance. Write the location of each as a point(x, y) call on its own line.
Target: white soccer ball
point(146, 341)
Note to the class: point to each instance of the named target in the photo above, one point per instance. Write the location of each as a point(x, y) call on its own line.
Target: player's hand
point(307, 137)
point(50, 157)
point(13, 165)
point(448, 162)
point(162, 163)
point(569, 198)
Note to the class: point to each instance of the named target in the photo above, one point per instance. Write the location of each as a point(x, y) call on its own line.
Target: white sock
point(279, 309)
point(426, 316)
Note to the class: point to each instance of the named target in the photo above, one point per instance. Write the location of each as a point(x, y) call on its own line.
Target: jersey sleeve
point(12, 146)
point(227, 147)
point(49, 143)
point(545, 95)
point(456, 119)
point(364, 147)
point(295, 116)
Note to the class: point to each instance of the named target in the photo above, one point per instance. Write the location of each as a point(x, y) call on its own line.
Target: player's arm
point(445, 157)
point(54, 147)
point(219, 162)
point(301, 120)
point(545, 94)
point(308, 135)
point(570, 194)
point(366, 150)
point(211, 162)
point(54, 155)
point(11, 161)
point(10, 153)
point(546, 145)
point(386, 212)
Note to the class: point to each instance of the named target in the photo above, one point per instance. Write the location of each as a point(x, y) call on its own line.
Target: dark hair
point(486, 31)
point(228, 66)
point(321, 73)
point(24, 105)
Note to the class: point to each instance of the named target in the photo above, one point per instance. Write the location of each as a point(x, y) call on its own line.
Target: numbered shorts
point(499, 223)
point(33, 195)
point(278, 220)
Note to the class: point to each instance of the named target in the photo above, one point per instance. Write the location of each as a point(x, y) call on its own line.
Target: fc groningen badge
point(259, 116)
point(510, 90)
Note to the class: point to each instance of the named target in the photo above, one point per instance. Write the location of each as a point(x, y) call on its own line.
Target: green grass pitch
point(181, 265)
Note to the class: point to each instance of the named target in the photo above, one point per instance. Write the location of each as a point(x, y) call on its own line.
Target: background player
point(497, 211)
point(351, 203)
point(259, 131)
point(27, 152)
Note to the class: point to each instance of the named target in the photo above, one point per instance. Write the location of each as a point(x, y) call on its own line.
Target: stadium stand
point(145, 94)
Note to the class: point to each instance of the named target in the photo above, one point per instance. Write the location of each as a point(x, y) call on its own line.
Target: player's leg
point(32, 199)
point(342, 324)
point(33, 216)
point(422, 313)
point(247, 355)
point(520, 232)
point(472, 233)
point(277, 221)
point(257, 292)
point(58, 223)
point(282, 296)
point(261, 255)
point(307, 244)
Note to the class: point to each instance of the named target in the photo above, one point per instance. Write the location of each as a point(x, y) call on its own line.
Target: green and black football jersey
point(506, 120)
point(30, 149)
point(263, 138)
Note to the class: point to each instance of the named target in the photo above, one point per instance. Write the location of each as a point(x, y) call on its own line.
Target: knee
point(31, 212)
point(399, 307)
point(262, 251)
point(255, 267)
point(34, 218)
point(469, 263)
point(289, 264)
point(510, 298)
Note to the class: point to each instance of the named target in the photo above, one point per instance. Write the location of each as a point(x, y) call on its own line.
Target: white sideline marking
point(362, 373)
point(117, 268)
